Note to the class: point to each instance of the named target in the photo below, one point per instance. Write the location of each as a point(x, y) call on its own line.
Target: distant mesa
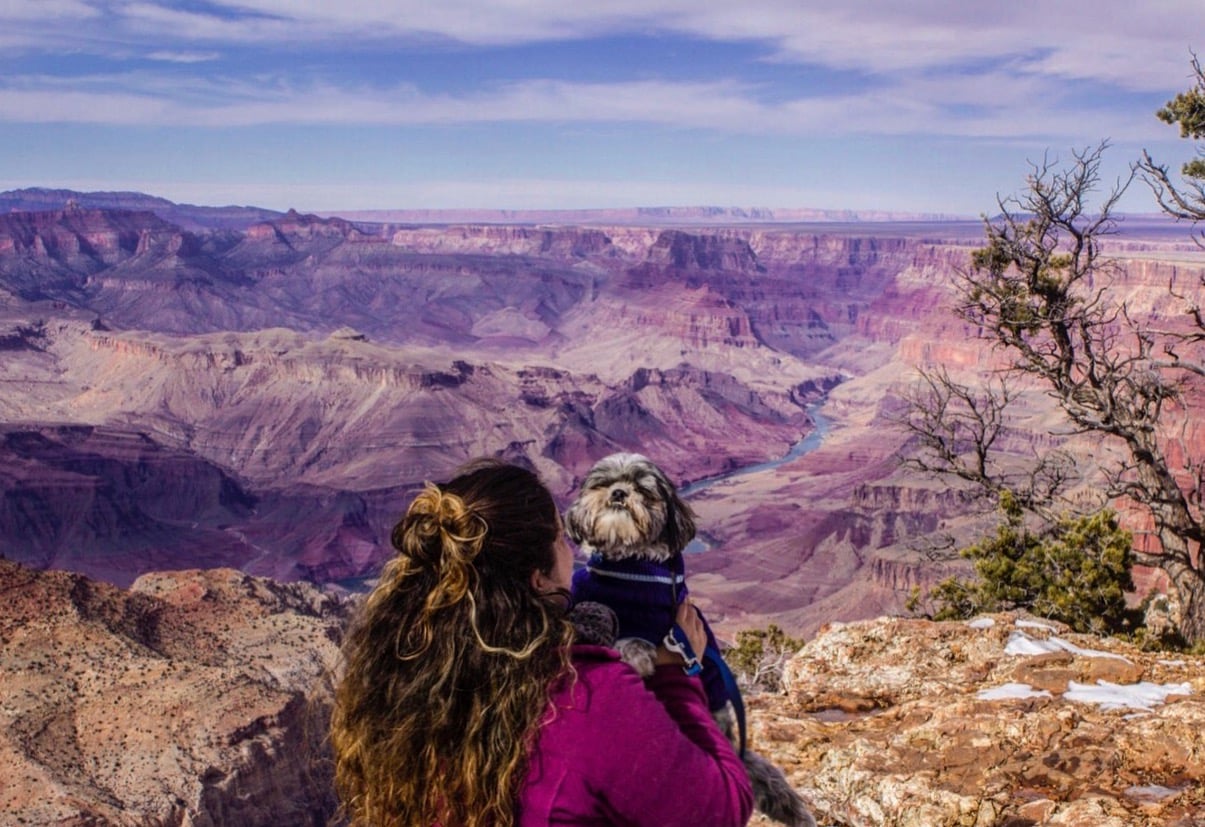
point(641, 216)
point(186, 216)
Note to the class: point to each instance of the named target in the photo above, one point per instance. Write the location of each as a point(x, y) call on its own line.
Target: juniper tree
point(1076, 571)
point(1184, 199)
point(1041, 292)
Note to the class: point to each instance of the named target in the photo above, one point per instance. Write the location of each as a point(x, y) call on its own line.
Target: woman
point(467, 703)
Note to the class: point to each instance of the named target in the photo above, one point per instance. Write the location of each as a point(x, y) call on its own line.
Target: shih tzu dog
point(629, 518)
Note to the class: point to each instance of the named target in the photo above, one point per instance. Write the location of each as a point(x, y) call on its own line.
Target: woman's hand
point(691, 624)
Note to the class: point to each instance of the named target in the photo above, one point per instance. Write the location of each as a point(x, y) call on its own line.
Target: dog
point(629, 517)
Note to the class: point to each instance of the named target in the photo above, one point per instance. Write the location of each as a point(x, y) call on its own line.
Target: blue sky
point(903, 105)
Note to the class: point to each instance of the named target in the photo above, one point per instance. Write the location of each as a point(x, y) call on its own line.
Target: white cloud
point(67, 106)
point(1112, 41)
point(925, 107)
point(183, 57)
point(930, 67)
point(180, 26)
point(45, 10)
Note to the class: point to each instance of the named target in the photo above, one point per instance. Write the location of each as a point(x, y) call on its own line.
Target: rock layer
point(326, 368)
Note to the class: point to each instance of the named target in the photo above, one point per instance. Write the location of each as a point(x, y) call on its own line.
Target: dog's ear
point(679, 519)
point(573, 522)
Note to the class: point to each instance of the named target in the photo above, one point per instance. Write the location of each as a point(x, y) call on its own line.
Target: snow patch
point(1033, 624)
point(1145, 696)
point(1020, 643)
point(981, 623)
point(1010, 691)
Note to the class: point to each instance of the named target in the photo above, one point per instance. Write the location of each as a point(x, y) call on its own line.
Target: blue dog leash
point(676, 641)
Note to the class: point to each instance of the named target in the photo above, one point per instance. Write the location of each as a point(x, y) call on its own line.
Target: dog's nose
point(618, 495)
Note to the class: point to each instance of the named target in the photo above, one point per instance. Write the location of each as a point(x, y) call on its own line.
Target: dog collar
point(636, 577)
point(670, 572)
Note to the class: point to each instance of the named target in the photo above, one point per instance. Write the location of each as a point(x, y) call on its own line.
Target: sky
point(929, 106)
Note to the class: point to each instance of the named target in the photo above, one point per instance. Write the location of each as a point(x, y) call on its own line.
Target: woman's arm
point(674, 764)
point(668, 763)
point(619, 750)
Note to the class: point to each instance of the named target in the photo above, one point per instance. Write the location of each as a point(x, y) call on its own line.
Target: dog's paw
point(639, 654)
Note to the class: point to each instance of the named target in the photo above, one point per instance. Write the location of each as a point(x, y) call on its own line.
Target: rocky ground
point(1001, 722)
point(194, 698)
point(186, 700)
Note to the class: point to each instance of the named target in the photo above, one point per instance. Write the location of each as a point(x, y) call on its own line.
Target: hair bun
point(441, 529)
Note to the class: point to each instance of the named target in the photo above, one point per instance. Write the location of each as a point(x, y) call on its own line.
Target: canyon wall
point(266, 399)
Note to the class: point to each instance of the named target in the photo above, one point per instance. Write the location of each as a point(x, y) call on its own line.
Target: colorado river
point(809, 443)
point(806, 445)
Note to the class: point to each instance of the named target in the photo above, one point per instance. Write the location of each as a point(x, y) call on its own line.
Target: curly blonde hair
point(449, 666)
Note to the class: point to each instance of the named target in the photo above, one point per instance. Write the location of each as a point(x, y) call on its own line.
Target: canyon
point(265, 396)
point(211, 417)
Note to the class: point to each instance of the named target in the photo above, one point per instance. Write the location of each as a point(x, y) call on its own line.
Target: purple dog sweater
point(645, 596)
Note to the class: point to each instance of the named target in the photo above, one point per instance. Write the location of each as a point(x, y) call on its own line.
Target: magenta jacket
point(615, 753)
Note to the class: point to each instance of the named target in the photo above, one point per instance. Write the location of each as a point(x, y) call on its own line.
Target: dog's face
point(628, 508)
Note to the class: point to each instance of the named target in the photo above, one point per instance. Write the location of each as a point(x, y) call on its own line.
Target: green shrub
point(1077, 571)
point(759, 655)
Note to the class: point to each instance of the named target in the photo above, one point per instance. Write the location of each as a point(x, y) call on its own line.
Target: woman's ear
point(541, 582)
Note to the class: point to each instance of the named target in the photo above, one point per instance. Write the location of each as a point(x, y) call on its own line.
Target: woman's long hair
point(449, 666)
